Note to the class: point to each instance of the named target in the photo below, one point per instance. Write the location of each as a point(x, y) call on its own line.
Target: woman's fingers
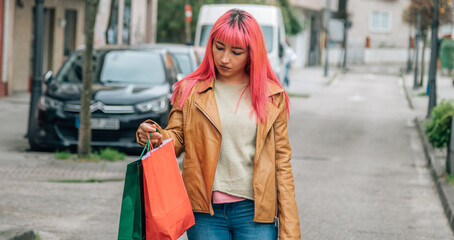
point(145, 129)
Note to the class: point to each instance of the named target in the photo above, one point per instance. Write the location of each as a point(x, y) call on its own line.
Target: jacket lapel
point(264, 128)
point(206, 102)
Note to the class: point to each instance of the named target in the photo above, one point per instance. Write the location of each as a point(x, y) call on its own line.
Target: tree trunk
point(424, 43)
point(84, 144)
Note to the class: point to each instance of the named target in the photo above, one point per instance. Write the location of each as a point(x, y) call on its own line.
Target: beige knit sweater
point(239, 130)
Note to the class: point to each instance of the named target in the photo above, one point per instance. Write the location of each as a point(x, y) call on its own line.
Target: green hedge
point(438, 128)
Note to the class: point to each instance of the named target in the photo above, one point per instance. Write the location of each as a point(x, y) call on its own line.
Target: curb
point(444, 189)
point(407, 96)
point(333, 78)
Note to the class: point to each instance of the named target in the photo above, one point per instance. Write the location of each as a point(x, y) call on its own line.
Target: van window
point(267, 35)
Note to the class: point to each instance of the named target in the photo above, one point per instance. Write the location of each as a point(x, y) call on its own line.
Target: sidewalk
point(436, 158)
point(307, 81)
point(53, 198)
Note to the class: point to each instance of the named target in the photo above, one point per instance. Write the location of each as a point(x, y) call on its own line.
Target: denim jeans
point(231, 221)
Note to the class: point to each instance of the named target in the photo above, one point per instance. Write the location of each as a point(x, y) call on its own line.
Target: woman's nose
point(224, 58)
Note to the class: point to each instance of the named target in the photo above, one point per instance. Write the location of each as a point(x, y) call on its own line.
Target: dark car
point(130, 85)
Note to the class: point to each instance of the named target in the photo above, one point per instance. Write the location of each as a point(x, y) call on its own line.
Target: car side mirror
point(180, 76)
point(48, 77)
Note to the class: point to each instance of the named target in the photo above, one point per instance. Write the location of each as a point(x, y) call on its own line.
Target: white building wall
point(386, 46)
point(300, 42)
point(316, 5)
point(361, 14)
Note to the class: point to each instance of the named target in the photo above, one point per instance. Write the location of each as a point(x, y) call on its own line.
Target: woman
point(230, 118)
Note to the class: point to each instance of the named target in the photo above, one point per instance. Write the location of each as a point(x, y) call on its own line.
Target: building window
point(380, 21)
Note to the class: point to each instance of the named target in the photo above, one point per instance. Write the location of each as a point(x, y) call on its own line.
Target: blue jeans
point(231, 221)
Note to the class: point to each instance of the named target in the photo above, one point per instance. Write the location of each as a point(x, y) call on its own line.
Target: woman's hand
point(145, 129)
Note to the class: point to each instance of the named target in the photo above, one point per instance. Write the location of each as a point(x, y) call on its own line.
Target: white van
point(268, 17)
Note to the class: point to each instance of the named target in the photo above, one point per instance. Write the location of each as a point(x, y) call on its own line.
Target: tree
point(410, 15)
point(84, 144)
point(292, 24)
point(171, 19)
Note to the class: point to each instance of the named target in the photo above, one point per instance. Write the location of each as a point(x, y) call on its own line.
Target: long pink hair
point(237, 28)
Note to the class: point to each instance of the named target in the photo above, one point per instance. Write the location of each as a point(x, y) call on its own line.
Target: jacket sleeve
point(173, 130)
point(289, 227)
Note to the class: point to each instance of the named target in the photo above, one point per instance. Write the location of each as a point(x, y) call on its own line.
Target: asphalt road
point(359, 169)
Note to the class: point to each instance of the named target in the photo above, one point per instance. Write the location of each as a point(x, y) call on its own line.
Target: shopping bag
point(132, 218)
point(168, 212)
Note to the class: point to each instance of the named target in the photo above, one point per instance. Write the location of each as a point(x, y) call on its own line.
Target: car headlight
point(158, 105)
point(49, 103)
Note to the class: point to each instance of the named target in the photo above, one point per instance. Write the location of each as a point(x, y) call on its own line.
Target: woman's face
point(229, 60)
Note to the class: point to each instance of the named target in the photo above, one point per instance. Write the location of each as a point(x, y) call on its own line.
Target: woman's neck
point(234, 80)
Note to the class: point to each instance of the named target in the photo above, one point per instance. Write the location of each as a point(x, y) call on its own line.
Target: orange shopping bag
point(168, 212)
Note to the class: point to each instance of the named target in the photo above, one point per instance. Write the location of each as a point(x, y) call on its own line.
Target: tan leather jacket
point(196, 129)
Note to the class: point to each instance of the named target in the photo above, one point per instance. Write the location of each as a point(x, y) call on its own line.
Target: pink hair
point(238, 28)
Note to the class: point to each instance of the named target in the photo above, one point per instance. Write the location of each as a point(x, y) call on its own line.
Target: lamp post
point(328, 18)
point(417, 37)
point(37, 70)
point(347, 25)
point(433, 62)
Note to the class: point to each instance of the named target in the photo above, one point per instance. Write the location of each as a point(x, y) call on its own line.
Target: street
point(358, 164)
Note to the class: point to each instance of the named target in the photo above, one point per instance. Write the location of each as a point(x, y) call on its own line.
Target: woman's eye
point(237, 53)
point(218, 48)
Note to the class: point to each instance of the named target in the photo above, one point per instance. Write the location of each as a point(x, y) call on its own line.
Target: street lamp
point(433, 62)
point(37, 70)
point(328, 18)
point(417, 37)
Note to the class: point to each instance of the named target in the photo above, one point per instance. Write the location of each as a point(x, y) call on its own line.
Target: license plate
point(102, 123)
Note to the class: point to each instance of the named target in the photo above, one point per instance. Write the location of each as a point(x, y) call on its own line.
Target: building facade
point(117, 22)
point(378, 33)
point(308, 44)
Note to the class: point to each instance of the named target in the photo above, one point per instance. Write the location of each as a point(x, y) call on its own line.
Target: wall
point(20, 68)
point(315, 5)
point(396, 38)
point(22, 47)
point(102, 22)
point(138, 21)
point(376, 56)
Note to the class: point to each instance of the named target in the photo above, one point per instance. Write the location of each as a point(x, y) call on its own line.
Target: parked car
point(131, 84)
point(185, 55)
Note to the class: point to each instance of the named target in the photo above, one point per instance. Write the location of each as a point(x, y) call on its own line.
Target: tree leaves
point(410, 14)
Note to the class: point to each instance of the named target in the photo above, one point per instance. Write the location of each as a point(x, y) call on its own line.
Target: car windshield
point(266, 30)
point(184, 62)
point(116, 67)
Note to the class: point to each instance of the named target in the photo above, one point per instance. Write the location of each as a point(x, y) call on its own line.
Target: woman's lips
point(224, 68)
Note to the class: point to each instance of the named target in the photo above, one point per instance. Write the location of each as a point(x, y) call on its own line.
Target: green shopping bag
point(132, 217)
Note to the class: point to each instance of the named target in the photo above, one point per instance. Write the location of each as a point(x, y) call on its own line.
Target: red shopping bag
point(168, 212)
